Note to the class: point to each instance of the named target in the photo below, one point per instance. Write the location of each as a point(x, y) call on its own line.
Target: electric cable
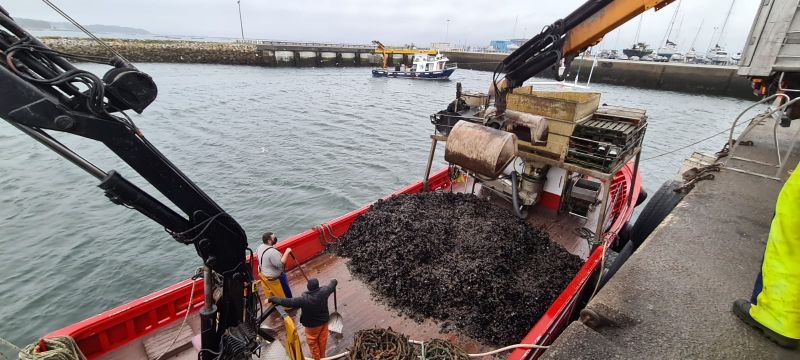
point(85, 31)
point(692, 144)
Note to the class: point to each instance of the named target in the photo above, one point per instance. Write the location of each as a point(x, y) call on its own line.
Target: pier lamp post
point(241, 26)
point(447, 31)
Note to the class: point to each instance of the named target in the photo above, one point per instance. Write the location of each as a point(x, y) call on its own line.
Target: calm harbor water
point(280, 149)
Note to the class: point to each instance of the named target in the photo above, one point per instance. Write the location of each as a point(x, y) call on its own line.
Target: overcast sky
point(393, 22)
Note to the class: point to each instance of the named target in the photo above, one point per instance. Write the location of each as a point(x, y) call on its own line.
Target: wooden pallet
point(619, 113)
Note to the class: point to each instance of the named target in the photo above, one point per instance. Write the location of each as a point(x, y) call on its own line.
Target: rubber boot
point(741, 308)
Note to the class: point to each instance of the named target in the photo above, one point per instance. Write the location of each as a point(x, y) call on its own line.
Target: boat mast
point(711, 41)
point(680, 27)
point(725, 24)
point(638, 30)
point(671, 24)
point(698, 33)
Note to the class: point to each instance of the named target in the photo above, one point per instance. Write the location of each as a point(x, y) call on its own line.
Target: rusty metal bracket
point(689, 185)
point(693, 173)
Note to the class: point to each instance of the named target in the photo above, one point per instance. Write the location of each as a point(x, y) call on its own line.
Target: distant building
point(500, 45)
point(441, 46)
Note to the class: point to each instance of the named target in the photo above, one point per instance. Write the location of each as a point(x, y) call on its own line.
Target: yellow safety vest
point(779, 302)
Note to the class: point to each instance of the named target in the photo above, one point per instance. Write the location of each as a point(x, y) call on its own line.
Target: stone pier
point(261, 53)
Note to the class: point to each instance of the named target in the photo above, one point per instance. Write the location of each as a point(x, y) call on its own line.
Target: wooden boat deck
point(359, 310)
point(356, 304)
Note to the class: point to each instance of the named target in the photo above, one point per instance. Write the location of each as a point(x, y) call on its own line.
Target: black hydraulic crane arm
point(545, 49)
point(41, 90)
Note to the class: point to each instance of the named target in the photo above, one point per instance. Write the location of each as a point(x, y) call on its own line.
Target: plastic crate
point(596, 153)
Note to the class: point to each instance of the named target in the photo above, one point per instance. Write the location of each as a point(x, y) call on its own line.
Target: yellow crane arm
point(565, 39)
point(591, 30)
point(382, 49)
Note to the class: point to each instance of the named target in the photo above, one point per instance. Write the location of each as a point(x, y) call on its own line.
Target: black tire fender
point(660, 205)
point(623, 236)
point(642, 197)
point(631, 237)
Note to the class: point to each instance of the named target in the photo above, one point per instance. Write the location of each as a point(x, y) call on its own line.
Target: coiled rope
point(381, 344)
point(58, 348)
point(326, 235)
point(387, 344)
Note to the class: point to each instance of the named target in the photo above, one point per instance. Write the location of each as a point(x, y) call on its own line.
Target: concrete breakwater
point(691, 78)
point(240, 53)
point(702, 79)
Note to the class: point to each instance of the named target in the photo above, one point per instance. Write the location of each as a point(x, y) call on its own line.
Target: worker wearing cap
point(314, 316)
point(775, 305)
point(270, 266)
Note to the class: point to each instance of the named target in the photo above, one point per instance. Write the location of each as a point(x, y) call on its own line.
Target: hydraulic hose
point(515, 195)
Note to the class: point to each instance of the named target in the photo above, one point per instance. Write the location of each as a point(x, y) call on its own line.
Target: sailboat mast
point(638, 30)
point(711, 41)
point(725, 24)
point(698, 33)
point(671, 24)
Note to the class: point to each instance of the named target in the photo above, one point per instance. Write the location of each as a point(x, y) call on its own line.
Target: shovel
point(335, 324)
point(299, 267)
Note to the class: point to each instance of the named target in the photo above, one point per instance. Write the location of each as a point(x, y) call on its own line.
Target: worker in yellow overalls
point(271, 265)
point(775, 306)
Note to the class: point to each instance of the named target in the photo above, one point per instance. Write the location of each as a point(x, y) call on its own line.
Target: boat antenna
point(241, 25)
point(85, 30)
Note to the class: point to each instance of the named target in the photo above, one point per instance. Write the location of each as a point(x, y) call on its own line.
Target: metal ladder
point(775, 112)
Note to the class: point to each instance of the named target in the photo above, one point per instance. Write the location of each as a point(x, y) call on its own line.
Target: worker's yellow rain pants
point(778, 304)
point(271, 287)
point(293, 348)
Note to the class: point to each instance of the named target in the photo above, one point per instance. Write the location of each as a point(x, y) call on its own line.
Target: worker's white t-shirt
point(270, 263)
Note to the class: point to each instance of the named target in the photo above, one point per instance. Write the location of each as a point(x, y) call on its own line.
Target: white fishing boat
point(424, 66)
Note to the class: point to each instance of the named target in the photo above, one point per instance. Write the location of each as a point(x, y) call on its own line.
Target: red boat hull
point(112, 329)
